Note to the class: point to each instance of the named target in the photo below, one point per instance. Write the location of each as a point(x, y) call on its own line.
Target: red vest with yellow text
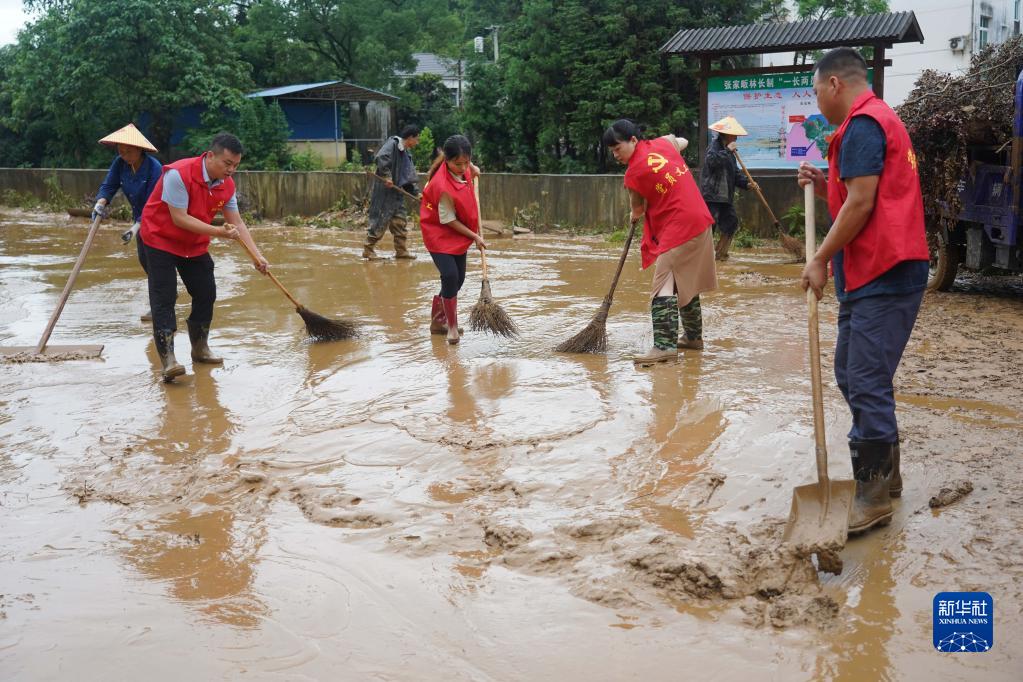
point(158, 229)
point(438, 237)
point(675, 210)
point(895, 230)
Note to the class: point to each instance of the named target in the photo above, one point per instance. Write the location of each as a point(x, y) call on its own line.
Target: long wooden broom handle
point(479, 216)
point(411, 196)
point(757, 189)
point(273, 278)
point(621, 261)
point(67, 287)
point(820, 442)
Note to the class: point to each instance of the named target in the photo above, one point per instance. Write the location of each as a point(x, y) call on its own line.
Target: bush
point(306, 160)
point(744, 239)
point(292, 220)
point(57, 200)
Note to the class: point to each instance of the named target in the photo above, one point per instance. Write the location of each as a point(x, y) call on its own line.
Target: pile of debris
point(947, 114)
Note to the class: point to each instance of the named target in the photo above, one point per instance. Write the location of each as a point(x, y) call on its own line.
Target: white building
point(954, 31)
point(449, 70)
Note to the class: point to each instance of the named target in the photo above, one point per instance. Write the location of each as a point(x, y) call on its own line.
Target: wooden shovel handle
point(820, 442)
point(93, 229)
point(273, 278)
point(411, 196)
point(479, 216)
point(757, 189)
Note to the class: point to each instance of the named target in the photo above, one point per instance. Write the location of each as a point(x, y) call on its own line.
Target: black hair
point(843, 62)
point(454, 147)
point(620, 131)
point(409, 131)
point(222, 141)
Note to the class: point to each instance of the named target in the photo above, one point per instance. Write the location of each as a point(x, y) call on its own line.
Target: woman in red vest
point(450, 220)
point(877, 248)
point(676, 235)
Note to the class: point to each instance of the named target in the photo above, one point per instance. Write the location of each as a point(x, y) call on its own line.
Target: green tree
point(427, 102)
point(262, 128)
point(89, 66)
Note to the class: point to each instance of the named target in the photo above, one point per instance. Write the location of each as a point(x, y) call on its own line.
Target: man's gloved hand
point(100, 209)
point(411, 189)
point(130, 232)
point(732, 146)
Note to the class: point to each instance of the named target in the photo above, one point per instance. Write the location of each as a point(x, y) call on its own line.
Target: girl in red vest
point(676, 235)
point(450, 220)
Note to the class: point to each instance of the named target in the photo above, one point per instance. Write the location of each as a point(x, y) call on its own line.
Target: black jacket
point(721, 174)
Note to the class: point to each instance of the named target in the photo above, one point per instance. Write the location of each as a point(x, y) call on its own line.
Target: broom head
point(488, 316)
point(592, 339)
point(321, 328)
point(791, 244)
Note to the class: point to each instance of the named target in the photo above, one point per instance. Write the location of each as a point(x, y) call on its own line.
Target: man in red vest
point(176, 231)
point(878, 253)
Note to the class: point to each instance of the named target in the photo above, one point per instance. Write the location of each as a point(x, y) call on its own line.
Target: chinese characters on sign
point(779, 112)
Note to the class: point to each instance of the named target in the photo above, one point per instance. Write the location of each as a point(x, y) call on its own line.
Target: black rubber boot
point(872, 469)
point(895, 489)
point(165, 349)
point(199, 336)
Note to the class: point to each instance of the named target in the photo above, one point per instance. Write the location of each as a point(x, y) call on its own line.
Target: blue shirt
point(136, 186)
point(175, 194)
point(862, 154)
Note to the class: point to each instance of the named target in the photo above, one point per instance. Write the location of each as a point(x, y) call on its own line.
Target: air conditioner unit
point(957, 43)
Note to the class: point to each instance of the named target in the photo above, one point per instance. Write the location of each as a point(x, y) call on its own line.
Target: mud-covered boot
point(872, 469)
point(165, 349)
point(895, 488)
point(368, 250)
point(721, 250)
point(691, 319)
point(664, 315)
point(451, 316)
point(199, 336)
point(401, 251)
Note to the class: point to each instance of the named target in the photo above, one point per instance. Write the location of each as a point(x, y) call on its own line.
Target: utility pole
point(497, 51)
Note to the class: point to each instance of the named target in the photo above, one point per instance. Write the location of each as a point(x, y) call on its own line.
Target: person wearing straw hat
point(135, 172)
point(676, 235)
point(387, 210)
point(176, 229)
point(719, 177)
point(877, 248)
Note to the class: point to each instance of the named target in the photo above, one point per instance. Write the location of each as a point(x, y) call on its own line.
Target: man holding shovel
point(878, 253)
point(176, 231)
point(718, 180)
point(387, 209)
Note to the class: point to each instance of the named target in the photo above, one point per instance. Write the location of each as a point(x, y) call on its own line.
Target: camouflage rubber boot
point(664, 315)
point(895, 489)
point(691, 317)
point(199, 336)
point(165, 349)
point(872, 469)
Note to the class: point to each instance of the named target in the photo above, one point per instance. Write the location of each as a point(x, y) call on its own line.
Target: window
point(1015, 22)
point(982, 32)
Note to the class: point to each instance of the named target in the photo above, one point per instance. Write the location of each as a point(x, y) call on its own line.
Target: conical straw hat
point(129, 135)
point(729, 126)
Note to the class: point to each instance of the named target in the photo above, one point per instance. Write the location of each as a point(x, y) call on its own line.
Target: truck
point(985, 235)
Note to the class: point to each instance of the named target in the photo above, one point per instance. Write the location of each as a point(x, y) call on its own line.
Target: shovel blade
point(72, 352)
point(819, 518)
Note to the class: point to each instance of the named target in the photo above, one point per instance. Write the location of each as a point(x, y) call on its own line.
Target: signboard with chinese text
point(780, 114)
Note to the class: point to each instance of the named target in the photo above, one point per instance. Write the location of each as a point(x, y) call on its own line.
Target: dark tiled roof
point(898, 27)
point(329, 90)
point(427, 62)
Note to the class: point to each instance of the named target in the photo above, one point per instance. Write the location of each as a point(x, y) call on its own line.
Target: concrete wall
point(556, 200)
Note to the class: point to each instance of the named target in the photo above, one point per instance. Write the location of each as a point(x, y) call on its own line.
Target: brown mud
point(392, 507)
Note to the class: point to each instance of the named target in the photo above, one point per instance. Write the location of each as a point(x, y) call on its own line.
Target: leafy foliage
point(261, 127)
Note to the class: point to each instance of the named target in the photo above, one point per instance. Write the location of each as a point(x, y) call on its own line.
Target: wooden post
point(701, 134)
point(878, 65)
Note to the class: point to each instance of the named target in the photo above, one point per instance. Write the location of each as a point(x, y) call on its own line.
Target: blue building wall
point(308, 120)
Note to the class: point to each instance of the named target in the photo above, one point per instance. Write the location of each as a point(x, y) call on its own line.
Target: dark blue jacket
point(136, 186)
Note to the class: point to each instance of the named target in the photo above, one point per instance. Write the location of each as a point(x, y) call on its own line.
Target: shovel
point(41, 352)
point(819, 518)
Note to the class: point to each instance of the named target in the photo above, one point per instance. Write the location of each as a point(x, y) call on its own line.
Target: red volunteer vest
point(675, 210)
point(438, 237)
point(895, 230)
point(158, 229)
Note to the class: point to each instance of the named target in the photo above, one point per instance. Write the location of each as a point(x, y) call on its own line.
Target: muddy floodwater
point(395, 508)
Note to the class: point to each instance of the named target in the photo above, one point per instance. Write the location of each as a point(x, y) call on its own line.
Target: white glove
point(732, 146)
point(130, 232)
point(100, 209)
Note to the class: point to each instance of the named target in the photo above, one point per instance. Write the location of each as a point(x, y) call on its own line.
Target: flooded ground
point(394, 508)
